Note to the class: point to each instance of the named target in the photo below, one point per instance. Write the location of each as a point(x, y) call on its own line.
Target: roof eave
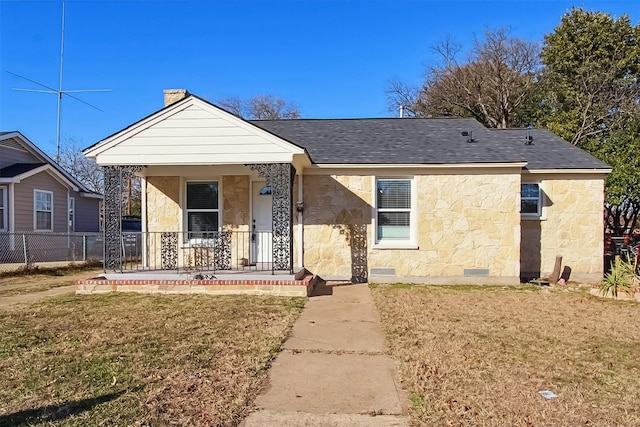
point(71, 181)
point(568, 170)
point(517, 164)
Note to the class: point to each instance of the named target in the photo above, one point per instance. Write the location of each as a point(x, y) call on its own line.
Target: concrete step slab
point(351, 293)
point(332, 383)
point(267, 418)
point(330, 335)
point(339, 310)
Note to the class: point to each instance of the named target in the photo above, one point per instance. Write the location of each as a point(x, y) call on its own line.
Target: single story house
point(38, 195)
point(433, 200)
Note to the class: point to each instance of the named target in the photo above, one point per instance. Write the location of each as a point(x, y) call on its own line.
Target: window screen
point(393, 198)
point(203, 214)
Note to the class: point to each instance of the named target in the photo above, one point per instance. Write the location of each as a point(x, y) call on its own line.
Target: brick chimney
point(174, 95)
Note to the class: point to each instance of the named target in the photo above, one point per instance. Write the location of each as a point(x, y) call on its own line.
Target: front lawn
point(127, 359)
point(473, 356)
point(37, 279)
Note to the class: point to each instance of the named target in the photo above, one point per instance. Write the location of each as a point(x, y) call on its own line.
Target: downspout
point(300, 208)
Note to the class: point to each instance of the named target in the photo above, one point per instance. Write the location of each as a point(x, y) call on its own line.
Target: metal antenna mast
point(59, 91)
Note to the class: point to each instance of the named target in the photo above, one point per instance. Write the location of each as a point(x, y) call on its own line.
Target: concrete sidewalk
point(333, 370)
point(37, 296)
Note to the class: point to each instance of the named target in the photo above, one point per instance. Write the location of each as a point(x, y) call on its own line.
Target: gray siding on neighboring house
point(9, 156)
point(23, 199)
point(87, 214)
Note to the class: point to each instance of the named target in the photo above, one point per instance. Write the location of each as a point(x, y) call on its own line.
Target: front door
point(261, 223)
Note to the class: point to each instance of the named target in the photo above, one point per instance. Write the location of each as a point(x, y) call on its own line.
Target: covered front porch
point(203, 219)
point(217, 193)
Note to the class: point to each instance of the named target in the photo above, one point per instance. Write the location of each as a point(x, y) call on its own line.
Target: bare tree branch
point(490, 86)
point(264, 107)
point(80, 167)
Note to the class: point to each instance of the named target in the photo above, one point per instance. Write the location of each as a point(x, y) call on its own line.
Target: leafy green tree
point(589, 94)
point(590, 77)
point(620, 149)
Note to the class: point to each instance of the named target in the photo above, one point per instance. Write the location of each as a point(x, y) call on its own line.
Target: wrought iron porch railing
point(197, 252)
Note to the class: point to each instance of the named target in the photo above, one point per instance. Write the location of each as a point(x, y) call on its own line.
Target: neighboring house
point(424, 200)
point(37, 195)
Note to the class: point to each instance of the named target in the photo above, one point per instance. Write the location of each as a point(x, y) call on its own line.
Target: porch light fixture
point(265, 191)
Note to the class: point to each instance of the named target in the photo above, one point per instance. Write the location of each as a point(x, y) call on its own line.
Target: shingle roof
point(426, 141)
point(18, 169)
point(41, 155)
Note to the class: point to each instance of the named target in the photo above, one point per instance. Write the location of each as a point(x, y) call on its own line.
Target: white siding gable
point(193, 132)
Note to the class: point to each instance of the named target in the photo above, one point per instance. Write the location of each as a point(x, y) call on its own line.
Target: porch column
point(279, 176)
point(115, 179)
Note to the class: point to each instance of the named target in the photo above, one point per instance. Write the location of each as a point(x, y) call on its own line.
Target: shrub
point(622, 277)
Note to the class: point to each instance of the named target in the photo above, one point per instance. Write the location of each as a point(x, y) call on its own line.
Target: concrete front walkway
point(333, 370)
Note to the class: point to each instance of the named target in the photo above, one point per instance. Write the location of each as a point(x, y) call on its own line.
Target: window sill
point(533, 217)
point(396, 246)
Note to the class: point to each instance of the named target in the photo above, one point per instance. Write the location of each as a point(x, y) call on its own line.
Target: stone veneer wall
point(163, 203)
point(236, 195)
point(571, 226)
point(336, 211)
point(163, 213)
point(463, 222)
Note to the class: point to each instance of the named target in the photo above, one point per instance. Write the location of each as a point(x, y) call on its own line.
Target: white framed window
point(394, 212)
point(42, 210)
point(72, 213)
point(530, 200)
point(202, 208)
point(4, 224)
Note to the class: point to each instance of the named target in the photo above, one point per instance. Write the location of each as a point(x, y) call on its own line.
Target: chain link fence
point(30, 248)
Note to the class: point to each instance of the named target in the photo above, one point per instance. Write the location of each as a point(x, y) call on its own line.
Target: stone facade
point(571, 226)
point(337, 224)
point(236, 190)
point(163, 203)
point(466, 224)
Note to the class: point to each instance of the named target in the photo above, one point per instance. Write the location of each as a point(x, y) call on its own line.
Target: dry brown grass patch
point(474, 356)
point(40, 279)
point(127, 359)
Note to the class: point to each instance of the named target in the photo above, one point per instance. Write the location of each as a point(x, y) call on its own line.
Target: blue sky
point(332, 59)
